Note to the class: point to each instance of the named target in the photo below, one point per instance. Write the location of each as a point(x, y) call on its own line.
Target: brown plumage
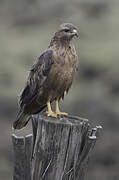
point(50, 77)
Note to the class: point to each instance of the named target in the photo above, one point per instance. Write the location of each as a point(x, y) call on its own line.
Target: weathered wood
point(61, 147)
point(22, 147)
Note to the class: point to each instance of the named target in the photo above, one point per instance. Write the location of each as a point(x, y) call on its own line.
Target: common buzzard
point(50, 77)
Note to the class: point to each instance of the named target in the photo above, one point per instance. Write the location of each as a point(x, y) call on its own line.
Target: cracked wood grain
point(61, 150)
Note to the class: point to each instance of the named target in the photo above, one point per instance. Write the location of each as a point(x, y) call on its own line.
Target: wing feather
point(37, 76)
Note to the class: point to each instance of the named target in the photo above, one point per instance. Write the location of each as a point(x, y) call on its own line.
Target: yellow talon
point(50, 113)
point(57, 111)
point(62, 113)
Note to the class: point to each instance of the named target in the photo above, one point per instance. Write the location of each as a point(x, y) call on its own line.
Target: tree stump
point(61, 147)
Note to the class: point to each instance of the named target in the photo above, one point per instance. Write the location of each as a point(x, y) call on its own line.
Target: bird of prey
point(50, 77)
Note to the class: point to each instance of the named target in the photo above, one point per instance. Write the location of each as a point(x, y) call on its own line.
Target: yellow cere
point(74, 31)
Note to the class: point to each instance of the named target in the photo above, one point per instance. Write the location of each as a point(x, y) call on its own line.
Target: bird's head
point(66, 32)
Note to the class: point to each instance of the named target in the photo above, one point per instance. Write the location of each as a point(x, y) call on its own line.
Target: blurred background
point(26, 27)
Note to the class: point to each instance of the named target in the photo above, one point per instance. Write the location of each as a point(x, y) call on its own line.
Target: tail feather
point(21, 121)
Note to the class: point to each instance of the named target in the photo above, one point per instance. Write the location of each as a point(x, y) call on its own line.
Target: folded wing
point(38, 74)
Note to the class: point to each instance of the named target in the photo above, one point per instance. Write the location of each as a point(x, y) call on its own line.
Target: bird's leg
point(50, 112)
point(57, 111)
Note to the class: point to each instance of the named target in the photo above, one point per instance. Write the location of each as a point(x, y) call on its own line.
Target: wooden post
point(22, 147)
point(61, 147)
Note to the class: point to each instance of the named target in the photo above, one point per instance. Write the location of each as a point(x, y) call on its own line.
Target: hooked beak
point(75, 33)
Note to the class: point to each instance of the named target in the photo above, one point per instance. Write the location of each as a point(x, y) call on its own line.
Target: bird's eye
point(66, 30)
